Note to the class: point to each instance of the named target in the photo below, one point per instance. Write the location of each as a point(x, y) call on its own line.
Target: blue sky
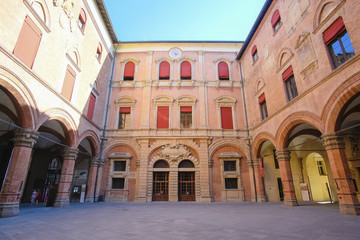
point(192, 20)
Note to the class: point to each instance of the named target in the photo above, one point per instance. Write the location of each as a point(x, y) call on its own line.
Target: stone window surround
point(44, 23)
point(171, 62)
point(163, 101)
point(119, 156)
point(124, 101)
point(226, 101)
point(229, 63)
point(192, 62)
point(123, 64)
point(186, 101)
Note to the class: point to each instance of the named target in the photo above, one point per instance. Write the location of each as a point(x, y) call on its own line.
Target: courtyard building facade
point(86, 118)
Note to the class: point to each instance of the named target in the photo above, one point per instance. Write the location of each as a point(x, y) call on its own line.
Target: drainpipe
point(247, 129)
point(105, 122)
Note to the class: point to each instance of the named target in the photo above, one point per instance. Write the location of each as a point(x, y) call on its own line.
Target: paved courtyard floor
point(162, 220)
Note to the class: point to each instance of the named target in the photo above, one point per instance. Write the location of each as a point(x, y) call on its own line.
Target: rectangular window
point(186, 117)
point(338, 42)
point(163, 117)
point(119, 166)
point(226, 118)
point(118, 183)
point(28, 42)
point(263, 107)
point(230, 166)
point(69, 82)
point(231, 183)
point(321, 168)
point(291, 89)
point(124, 118)
point(91, 107)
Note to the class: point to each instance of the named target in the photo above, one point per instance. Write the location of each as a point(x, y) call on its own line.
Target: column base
point(349, 209)
point(89, 199)
point(140, 199)
point(205, 199)
point(290, 202)
point(9, 210)
point(261, 199)
point(61, 202)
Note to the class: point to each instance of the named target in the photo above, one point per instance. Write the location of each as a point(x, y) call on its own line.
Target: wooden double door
point(186, 186)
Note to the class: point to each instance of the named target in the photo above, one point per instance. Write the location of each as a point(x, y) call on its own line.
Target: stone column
point(94, 161)
point(283, 157)
point(204, 171)
point(335, 148)
point(173, 185)
point(203, 98)
point(67, 170)
point(24, 141)
point(143, 171)
point(259, 182)
point(251, 176)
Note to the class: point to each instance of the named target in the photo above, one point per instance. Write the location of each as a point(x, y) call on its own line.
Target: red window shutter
point(223, 70)
point(99, 48)
point(226, 118)
point(82, 16)
point(164, 70)
point(163, 117)
point(125, 110)
point(275, 18)
point(69, 81)
point(185, 70)
point(28, 42)
point(129, 71)
point(254, 49)
point(288, 72)
point(91, 107)
point(186, 109)
point(337, 27)
point(262, 98)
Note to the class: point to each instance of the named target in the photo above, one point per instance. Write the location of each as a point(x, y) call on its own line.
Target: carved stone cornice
point(70, 153)
point(333, 141)
point(175, 152)
point(25, 138)
point(283, 155)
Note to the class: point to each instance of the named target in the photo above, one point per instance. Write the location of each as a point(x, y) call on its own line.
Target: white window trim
point(163, 101)
point(186, 101)
point(164, 59)
point(124, 101)
point(226, 101)
point(192, 62)
point(231, 156)
point(119, 156)
point(124, 62)
point(229, 63)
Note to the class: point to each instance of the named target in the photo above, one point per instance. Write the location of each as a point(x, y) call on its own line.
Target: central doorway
point(161, 186)
point(186, 186)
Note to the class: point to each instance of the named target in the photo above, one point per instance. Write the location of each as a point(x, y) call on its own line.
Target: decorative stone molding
point(201, 52)
point(70, 153)
point(175, 152)
point(120, 155)
point(332, 141)
point(94, 161)
point(56, 3)
point(68, 6)
point(149, 53)
point(25, 138)
point(211, 162)
point(283, 155)
point(226, 155)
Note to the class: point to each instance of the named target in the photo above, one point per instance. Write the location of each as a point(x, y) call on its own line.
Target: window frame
point(119, 156)
point(123, 65)
point(82, 21)
point(124, 102)
point(290, 84)
point(226, 101)
point(276, 21)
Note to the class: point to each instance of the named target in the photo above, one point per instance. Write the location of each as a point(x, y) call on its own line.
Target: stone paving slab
point(163, 220)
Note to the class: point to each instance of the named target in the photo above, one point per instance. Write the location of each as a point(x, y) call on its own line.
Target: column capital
point(201, 52)
point(333, 141)
point(94, 161)
point(149, 53)
point(70, 153)
point(25, 137)
point(283, 155)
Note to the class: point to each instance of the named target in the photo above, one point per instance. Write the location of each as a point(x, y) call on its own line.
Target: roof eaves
point(254, 28)
point(107, 21)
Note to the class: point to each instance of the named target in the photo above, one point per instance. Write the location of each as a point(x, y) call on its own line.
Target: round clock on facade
point(175, 52)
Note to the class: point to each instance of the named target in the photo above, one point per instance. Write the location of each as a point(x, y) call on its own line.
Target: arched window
point(129, 71)
point(276, 20)
point(186, 164)
point(99, 51)
point(82, 20)
point(254, 53)
point(164, 73)
point(185, 70)
point(223, 69)
point(161, 164)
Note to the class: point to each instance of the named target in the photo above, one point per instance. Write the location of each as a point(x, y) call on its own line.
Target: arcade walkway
point(162, 220)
